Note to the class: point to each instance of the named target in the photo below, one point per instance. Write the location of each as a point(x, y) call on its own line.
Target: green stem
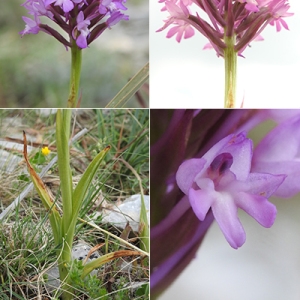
point(63, 124)
point(76, 54)
point(230, 57)
point(67, 290)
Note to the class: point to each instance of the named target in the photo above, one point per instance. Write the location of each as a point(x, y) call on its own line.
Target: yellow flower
point(45, 151)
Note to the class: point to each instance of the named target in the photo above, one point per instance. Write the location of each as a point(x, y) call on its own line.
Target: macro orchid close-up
point(210, 165)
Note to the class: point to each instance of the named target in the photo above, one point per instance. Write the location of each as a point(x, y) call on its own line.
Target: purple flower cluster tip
point(242, 19)
point(82, 20)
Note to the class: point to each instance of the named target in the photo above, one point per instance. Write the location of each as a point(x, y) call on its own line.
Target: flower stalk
point(230, 58)
point(76, 60)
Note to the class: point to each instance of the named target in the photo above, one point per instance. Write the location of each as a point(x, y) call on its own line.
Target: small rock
point(79, 252)
point(128, 211)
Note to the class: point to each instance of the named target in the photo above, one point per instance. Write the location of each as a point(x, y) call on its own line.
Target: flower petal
point(187, 172)
point(291, 184)
point(201, 201)
point(258, 207)
point(225, 213)
point(264, 184)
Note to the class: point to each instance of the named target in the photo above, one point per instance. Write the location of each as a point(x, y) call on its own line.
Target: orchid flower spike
point(238, 20)
point(82, 20)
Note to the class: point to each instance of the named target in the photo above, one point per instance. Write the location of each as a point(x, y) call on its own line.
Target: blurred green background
point(34, 70)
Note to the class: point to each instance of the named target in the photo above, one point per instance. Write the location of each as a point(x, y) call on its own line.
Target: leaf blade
point(130, 88)
point(46, 197)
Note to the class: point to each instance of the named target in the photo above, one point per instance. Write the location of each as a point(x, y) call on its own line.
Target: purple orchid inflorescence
point(217, 19)
point(82, 20)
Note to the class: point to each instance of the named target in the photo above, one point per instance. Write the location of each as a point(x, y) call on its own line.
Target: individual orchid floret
point(82, 27)
point(37, 8)
point(181, 30)
point(221, 180)
point(32, 26)
point(251, 5)
point(67, 5)
point(115, 18)
point(111, 5)
point(82, 20)
point(178, 17)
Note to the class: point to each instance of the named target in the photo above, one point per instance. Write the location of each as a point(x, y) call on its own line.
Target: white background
point(266, 267)
point(185, 76)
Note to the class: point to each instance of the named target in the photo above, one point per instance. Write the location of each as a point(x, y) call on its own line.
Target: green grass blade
point(130, 88)
point(96, 263)
point(144, 226)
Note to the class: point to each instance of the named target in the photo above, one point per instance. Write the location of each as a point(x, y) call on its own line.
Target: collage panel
point(225, 204)
point(232, 54)
point(74, 53)
point(74, 216)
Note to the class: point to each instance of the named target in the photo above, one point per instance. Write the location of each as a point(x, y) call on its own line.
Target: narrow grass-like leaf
point(92, 224)
point(130, 88)
point(96, 263)
point(144, 226)
point(44, 193)
point(83, 185)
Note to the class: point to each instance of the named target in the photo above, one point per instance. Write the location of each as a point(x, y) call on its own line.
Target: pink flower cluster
point(82, 20)
point(242, 19)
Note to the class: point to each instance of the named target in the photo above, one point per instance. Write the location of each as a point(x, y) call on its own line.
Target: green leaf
point(84, 183)
point(96, 263)
point(45, 195)
point(144, 226)
point(23, 177)
point(130, 88)
point(143, 290)
point(38, 159)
